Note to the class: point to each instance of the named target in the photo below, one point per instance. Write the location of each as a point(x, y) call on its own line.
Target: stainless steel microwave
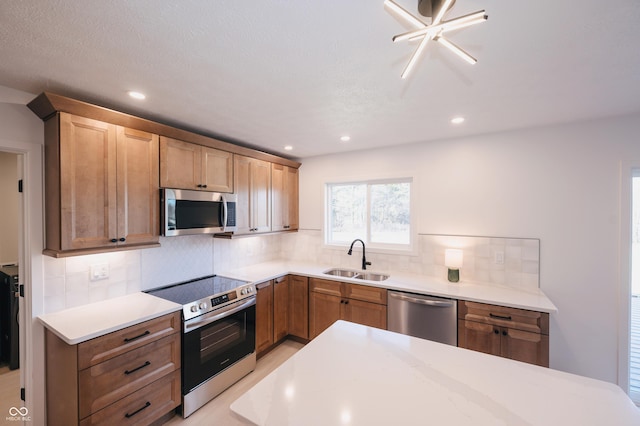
point(186, 212)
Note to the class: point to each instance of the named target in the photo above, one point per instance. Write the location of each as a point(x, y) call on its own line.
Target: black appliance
point(218, 335)
point(9, 325)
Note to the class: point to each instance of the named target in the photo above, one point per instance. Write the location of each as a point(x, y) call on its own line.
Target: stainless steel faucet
point(364, 259)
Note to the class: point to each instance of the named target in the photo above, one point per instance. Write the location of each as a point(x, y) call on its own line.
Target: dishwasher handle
point(421, 301)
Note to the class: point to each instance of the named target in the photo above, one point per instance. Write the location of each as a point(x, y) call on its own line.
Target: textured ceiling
point(271, 73)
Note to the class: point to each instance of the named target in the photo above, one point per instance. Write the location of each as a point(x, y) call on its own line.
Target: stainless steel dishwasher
point(427, 317)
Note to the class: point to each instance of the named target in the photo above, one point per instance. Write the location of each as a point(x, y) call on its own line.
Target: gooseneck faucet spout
point(364, 259)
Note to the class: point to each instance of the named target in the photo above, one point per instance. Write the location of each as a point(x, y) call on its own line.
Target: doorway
point(634, 340)
point(10, 249)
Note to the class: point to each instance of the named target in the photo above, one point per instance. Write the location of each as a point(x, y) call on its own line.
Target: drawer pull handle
point(129, 415)
point(131, 339)
point(147, 363)
point(502, 317)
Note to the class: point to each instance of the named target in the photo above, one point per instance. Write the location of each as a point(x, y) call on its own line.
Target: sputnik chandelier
point(434, 31)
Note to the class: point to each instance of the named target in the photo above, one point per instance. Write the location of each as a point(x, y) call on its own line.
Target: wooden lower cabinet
point(130, 376)
point(299, 307)
point(280, 308)
point(512, 333)
point(264, 317)
point(330, 301)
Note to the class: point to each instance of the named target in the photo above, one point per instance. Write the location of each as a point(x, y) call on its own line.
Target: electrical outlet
point(498, 258)
point(99, 271)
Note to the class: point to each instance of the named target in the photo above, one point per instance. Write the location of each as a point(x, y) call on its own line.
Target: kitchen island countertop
point(534, 300)
point(357, 375)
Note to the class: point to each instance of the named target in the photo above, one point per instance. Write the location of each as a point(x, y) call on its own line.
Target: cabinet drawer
point(366, 293)
point(113, 344)
point(109, 381)
point(143, 407)
point(333, 288)
point(519, 319)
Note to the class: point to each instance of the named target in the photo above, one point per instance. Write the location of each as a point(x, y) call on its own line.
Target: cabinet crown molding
point(48, 104)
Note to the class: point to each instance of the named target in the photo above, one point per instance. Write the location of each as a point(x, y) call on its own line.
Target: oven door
point(216, 340)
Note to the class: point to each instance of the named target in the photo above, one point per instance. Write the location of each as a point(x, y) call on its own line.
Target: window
point(378, 212)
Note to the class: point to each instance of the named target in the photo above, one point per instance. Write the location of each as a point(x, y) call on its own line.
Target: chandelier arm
point(414, 58)
point(453, 24)
point(402, 13)
point(456, 49)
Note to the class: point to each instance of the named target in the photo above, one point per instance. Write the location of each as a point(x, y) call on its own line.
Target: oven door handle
point(216, 315)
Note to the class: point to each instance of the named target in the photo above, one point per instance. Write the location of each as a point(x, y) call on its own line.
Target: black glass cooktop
point(191, 291)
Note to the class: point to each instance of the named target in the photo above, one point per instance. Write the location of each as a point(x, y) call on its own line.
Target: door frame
point(628, 169)
point(30, 244)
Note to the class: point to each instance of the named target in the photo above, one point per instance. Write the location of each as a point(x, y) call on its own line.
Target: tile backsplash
point(519, 267)
point(68, 280)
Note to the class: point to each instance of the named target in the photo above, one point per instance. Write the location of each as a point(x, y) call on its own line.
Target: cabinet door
point(180, 164)
point(324, 310)
point(252, 182)
point(241, 180)
point(291, 189)
point(264, 316)
point(280, 308)
point(479, 337)
point(299, 306)
point(137, 187)
point(365, 313)
point(88, 209)
point(260, 195)
point(217, 170)
point(284, 192)
point(525, 346)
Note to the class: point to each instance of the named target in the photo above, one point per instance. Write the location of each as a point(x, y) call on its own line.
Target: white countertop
point(534, 300)
point(357, 375)
point(79, 324)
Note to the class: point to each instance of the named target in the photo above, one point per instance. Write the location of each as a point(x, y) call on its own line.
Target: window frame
point(371, 246)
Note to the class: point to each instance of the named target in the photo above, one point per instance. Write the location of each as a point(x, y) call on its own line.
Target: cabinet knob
point(496, 331)
point(113, 240)
point(199, 185)
point(504, 332)
point(204, 186)
point(123, 239)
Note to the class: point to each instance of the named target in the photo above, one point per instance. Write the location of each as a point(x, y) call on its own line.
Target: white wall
point(559, 184)
point(22, 132)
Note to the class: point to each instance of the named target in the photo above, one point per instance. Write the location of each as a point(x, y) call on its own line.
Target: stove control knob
point(203, 305)
point(243, 291)
point(248, 290)
point(194, 308)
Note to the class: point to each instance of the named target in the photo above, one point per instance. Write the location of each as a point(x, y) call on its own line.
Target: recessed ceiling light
point(345, 138)
point(137, 95)
point(457, 120)
point(288, 148)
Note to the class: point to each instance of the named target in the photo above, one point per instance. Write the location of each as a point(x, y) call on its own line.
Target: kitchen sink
point(341, 273)
point(370, 276)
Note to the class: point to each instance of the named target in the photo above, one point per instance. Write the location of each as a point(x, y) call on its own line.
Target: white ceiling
point(271, 73)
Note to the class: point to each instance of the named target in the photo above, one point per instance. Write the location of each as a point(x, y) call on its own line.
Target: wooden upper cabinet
point(252, 181)
point(137, 186)
point(284, 186)
point(185, 165)
point(101, 186)
point(217, 170)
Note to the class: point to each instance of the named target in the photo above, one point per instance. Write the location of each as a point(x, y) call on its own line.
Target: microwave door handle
point(224, 213)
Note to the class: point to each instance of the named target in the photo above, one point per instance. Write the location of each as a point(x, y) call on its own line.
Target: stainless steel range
point(218, 335)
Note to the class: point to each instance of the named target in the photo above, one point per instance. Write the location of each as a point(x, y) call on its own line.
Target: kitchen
point(558, 183)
